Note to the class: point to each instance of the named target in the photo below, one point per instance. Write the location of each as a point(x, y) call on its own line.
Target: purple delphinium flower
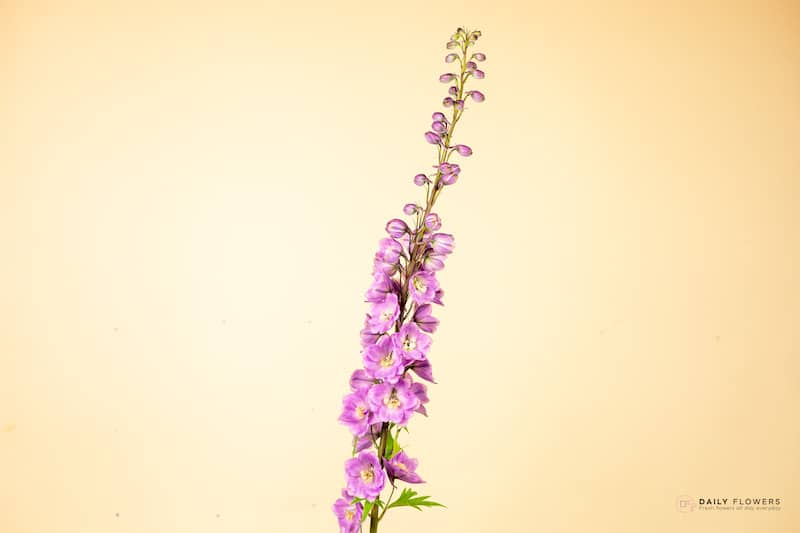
point(360, 380)
point(349, 514)
point(422, 287)
point(392, 402)
point(423, 318)
point(368, 336)
point(365, 477)
point(383, 314)
point(411, 342)
point(395, 339)
point(382, 285)
point(404, 468)
point(355, 412)
point(423, 369)
point(389, 251)
point(383, 360)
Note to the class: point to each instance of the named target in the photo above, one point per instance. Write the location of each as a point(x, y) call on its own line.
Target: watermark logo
point(686, 504)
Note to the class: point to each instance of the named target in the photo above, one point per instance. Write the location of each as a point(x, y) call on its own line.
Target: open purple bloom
point(411, 343)
point(404, 468)
point(368, 336)
point(422, 287)
point(437, 296)
point(381, 286)
point(355, 412)
point(383, 314)
point(348, 514)
point(383, 361)
point(389, 251)
point(392, 402)
point(424, 319)
point(423, 369)
point(360, 380)
point(365, 477)
point(421, 392)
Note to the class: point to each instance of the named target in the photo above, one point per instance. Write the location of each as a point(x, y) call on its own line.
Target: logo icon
point(686, 504)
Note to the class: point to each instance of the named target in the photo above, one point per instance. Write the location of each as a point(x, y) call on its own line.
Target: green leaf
point(368, 505)
point(410, 498)
point(367, 508)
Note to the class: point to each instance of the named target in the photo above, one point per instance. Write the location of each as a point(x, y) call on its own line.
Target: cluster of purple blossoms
point(395, 340)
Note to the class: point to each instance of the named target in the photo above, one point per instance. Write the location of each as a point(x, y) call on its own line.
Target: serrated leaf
point(410, 498)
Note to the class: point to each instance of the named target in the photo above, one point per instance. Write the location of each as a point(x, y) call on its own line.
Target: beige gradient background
point(190, 195)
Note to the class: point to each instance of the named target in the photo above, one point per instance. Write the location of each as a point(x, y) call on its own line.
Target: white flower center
point(367, 475)
point(409, 343)
point(387, 360)
point(392, 400)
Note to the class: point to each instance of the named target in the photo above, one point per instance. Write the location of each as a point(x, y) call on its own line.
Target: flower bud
point(447, 78)
point(451, 44)
point(432, 137)
point(453, 91)
point(442, 243)
point(463, 150)
point(439, 117)
point(459, 104)
point(448, 102)
point(448, 179)
point(396, 228)
point(477, 96)
point(449, 58)
point(421, 179)
point(478, 56)
point(433, 222)
point(471, 65)
point(433, 263)
point(439, 127)
point(478, 74)
point(410, 209)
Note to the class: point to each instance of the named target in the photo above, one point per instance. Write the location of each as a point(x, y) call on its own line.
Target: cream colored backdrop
point(191, 195)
